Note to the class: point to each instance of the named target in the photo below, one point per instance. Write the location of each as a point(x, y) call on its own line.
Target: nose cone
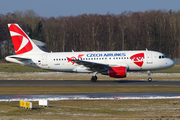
point(170, 63)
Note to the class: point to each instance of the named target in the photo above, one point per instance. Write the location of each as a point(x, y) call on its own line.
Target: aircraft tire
point(149, 79)
point(93, 78)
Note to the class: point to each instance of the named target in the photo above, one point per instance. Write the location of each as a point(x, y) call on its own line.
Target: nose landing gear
point(149, 74)
point(149, 79)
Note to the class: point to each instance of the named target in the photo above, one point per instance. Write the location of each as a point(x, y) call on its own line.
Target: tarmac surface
point(163, 83)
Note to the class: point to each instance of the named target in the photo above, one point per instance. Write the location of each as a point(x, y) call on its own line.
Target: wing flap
point(91, 65)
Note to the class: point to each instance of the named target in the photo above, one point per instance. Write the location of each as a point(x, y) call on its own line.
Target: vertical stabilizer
point(22, 43)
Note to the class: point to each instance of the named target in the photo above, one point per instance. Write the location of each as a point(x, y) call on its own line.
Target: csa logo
point(138, 59)
point(21, 42)
point(71, 58)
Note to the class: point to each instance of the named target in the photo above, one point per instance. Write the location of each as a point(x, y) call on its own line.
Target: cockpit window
point(162, 56)
point(165, 56)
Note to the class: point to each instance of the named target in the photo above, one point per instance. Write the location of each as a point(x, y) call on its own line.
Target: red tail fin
point(22, 43)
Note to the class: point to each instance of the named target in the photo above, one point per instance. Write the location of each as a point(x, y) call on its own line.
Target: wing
point(92, 65)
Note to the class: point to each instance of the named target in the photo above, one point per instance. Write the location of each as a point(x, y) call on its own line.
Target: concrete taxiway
point(163, 83)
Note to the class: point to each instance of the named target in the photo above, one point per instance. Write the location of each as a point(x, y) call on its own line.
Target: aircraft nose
point(170, 63)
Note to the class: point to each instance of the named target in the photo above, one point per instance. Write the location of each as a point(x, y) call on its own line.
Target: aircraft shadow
point(118, 81)
point(125, 81)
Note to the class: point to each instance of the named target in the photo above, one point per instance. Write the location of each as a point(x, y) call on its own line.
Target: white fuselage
point(132, 60)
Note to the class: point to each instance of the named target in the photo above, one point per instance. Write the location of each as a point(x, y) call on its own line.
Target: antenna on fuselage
point(72, 50)
point(146, 49)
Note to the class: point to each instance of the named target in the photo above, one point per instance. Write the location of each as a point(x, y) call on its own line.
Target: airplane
point(112, 63)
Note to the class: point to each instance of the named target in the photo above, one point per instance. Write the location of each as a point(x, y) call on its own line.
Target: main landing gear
point(94, 78)
point(149, 74)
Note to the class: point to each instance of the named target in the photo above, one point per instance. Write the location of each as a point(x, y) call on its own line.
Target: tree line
point(157, 30)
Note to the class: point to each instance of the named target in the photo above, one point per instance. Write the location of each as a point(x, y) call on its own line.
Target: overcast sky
point(55, 8)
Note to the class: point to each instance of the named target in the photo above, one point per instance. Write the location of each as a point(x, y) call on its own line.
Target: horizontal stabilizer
point(21, 58)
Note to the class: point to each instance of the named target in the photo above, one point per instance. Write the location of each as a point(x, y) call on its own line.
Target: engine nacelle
point(116, 72)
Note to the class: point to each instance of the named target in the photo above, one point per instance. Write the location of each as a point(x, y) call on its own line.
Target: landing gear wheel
point(149, 74)
point(149, 79)
point(93, 78)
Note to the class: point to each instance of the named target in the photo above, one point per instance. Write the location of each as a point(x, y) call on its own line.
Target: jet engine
point(116, 72)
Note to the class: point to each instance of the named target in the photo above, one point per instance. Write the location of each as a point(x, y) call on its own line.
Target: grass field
point(11, 67)
point(65, 90)
point(95, 109)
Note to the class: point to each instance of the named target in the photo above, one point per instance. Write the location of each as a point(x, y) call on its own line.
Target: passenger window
point(99, 58)
point(159, 57)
